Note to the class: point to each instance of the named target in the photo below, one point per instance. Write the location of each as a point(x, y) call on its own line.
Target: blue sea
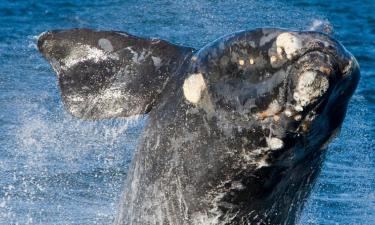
point(56, 169)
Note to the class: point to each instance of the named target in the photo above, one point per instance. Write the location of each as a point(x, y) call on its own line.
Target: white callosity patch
point(275, 143)
point(288, 43)
point(193, 87)
point(310, 87)
point(105, 44)
point(83, 53)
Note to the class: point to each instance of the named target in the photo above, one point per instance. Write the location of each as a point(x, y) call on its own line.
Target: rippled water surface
point(55, 169)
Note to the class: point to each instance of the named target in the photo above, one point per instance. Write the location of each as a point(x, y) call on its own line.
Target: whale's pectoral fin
point(109, 74)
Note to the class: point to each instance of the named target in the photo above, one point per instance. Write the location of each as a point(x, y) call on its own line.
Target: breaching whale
point(237, 130)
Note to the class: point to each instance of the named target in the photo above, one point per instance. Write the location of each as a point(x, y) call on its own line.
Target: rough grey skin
point(236, 131)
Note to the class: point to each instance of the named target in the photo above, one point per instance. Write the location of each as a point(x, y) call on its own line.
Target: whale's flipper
point(104, 74)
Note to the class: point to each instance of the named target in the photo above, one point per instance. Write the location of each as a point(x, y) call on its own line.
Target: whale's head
point(290, 88)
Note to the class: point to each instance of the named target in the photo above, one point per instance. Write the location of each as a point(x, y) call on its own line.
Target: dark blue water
point(55, 169)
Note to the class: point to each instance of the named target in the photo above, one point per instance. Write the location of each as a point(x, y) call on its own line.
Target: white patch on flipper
point(193, 87)
point(85, 52)
point(105, 44)
point(289, 43)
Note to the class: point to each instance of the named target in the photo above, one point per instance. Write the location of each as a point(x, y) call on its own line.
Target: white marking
point(85, 52)
point(193, 87)
point(298, 108)
point(288, 113)
point(307, 92)
point(297, 117)
point(289, 43)
point(273, 59)
point(156, 61)
point(105, 44)
point(138, 58)
point(262, 163)
point(321, 26)
point(237, 185)
point(274, 107)
point(37, 37)
point(275, 143)
point(122, 34)
point(348, 67)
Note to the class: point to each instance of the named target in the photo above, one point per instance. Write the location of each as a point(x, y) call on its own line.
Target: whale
point(236, 131)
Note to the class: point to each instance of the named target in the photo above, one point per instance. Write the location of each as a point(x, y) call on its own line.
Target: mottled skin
point(247, 151)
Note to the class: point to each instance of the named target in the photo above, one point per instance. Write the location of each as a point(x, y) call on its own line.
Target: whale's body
point(236, 131)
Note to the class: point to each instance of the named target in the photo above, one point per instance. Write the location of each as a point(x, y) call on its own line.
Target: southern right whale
point(237, 130)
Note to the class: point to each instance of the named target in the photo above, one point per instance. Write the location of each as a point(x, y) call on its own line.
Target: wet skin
point(237, 130)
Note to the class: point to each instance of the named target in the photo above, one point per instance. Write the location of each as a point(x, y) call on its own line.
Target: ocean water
point(56, 169)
